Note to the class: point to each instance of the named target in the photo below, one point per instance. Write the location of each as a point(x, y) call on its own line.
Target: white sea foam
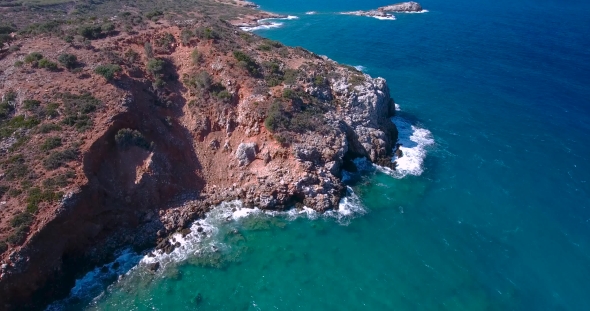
point(418, 12)
point(388, 18)
point(268, 23)
point(311, 13)
point(261, 26)
point(92, 284)
point(414, 142)
point(360, 68)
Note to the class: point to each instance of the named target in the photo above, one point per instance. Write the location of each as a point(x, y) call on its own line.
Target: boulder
point(246, 153)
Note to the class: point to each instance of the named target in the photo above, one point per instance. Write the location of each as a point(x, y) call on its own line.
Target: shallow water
point(496, 217)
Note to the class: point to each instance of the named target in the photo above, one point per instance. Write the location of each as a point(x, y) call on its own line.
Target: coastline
point(308, 172)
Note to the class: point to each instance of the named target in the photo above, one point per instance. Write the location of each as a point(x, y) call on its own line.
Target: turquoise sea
point(494, 96)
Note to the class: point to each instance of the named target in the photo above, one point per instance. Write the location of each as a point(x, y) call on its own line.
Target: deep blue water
point(498, 220)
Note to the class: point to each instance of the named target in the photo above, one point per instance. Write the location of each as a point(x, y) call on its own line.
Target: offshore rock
point(410, 6)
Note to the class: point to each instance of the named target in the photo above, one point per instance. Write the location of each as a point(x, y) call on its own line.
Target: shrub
point(18, 236)
point(108, 71)
point(78, 108)
point(131, 56)
point(89, 31)
point(154, 15)
point(149, 50)
point(126, 138)
point(3, 190)
point(48, 127)
point(31, 104)
point(15, 168)
point(207, 33)
point(47, 64)
point(68, 60)
point(36, 196)
point(196, 57)
point(290, 76)
point(51, 110)
point(108, 27)
point(224, 95)
point(16, 123)
point(33, 58)
point(59, 181)
point(165, 40)
point(3, 247)
point(51, 143)
point(247, 63)
point(21, 219)
point(58, 159)
point(276, 119)
point(185, 36)
point(319, 80)
point(289, 93)
point(200, 82)
point(18, 63)
point(155, 66)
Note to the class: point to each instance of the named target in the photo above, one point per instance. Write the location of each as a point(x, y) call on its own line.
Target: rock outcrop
point(384, 12)
point(410, 6)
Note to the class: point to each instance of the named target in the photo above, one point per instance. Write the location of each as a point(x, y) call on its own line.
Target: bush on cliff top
point(108, 71)
point(126, 138)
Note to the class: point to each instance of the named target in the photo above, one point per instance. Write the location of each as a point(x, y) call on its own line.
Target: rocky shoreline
point(272, 145)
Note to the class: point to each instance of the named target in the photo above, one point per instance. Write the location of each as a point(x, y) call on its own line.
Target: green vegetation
point(21, 219)
point(108, 71)
point(7, 104)
point(196, 57)
point(16, 123)
point(51, 110)
point(92, 32)
point(185, 36)
point(77, 110)
point(207, 33)
point(47, 64)
point(37, 196)
point(246, 62)
point(155, 66)
point(48, 127)
point(3, 247)
point(31, 104)
point(68, 60)
point(149, 50)
point(59, 181)
point(51, 143)
point(18, 236)
point(154, 15)
point(60, 158)
point(15, 168)
point(126, 138)
point(5, 37)
point(33, 58)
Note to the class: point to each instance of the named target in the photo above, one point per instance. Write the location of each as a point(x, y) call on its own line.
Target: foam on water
point(94, 282)
point(387, 18)
point(360, 68)
point(261, 27)
point(268, 23)
point(311, 13)
point(414, 141)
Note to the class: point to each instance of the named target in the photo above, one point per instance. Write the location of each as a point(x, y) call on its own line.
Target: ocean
point(490, 209)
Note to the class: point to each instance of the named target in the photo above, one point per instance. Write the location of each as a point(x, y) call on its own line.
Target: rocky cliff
point(156, 126)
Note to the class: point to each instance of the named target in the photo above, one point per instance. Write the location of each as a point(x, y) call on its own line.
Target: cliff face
point(224, 115)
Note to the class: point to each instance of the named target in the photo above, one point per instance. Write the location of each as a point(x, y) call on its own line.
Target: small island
point(384, 12)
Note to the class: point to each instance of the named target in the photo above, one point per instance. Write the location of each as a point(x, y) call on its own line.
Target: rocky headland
point(120, 139)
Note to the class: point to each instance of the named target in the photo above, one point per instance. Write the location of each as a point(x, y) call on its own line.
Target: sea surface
point(490, 209)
